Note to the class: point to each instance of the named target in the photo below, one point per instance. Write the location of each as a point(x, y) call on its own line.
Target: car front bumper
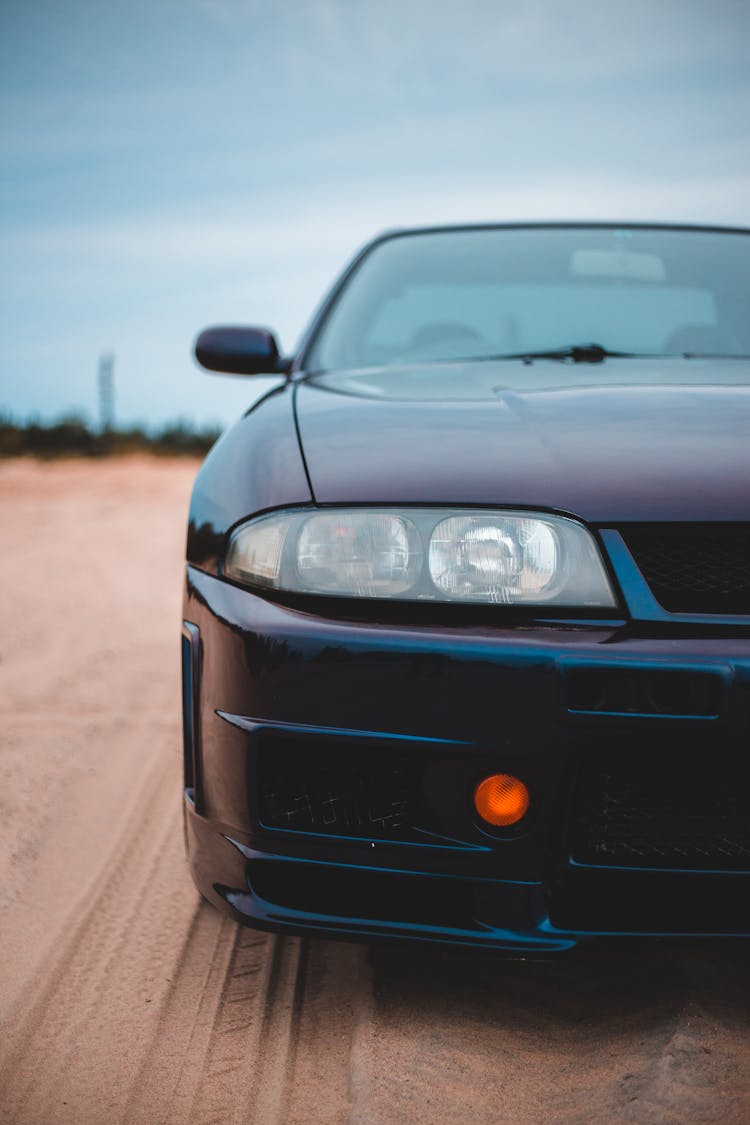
point(272, 694)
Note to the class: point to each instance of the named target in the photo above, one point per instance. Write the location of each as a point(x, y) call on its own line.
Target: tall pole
point(106, 392)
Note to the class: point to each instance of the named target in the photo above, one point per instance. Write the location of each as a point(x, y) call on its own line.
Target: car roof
point(555, 224)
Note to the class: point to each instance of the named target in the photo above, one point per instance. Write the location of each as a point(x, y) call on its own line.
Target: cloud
point(189, 160)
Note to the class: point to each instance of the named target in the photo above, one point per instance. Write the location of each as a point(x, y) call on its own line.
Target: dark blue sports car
point(466, 641)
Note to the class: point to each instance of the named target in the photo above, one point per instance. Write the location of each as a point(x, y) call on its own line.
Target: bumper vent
point(310, 786)
point(665, 811)
point(637, 691)
point(695, 568)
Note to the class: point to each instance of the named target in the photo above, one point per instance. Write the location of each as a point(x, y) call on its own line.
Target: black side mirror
point(239, 351)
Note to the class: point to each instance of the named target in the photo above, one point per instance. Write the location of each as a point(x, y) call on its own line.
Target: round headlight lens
point(366, 554)
point(493, 558)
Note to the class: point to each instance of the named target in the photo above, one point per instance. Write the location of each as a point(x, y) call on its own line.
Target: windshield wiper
point(595, 353)
point(577, 353)
point(714, 355)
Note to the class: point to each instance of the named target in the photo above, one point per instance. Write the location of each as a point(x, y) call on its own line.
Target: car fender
point(255, 466)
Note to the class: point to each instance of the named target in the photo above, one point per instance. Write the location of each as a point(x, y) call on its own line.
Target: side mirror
point(239, 351)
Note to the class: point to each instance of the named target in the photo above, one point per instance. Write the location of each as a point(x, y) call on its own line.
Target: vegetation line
point(72, 437)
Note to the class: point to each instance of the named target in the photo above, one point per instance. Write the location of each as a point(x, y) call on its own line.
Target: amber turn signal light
point(501, 799)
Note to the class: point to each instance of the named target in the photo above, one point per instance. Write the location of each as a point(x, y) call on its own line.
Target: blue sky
point(168, 165)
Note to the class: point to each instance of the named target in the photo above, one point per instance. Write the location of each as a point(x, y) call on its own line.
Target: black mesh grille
point(310, 786)
point(695, 568)
point(665, 810)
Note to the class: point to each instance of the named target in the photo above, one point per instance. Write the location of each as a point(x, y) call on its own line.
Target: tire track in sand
point(160, 1009)
point(74, 1042)
point(224, 1050)
point(269, 1040)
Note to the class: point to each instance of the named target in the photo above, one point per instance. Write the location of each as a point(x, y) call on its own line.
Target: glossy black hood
point(625, 440)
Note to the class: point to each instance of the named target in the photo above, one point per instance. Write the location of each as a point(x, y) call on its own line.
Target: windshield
point(494, 292)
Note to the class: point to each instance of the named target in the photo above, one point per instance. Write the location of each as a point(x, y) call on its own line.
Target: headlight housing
point(464, 556)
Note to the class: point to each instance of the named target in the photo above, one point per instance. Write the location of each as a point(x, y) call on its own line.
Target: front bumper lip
point(231, 862)
point(513, 897)
point(527, 932)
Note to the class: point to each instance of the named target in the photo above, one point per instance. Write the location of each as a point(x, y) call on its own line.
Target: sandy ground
point(126, 999)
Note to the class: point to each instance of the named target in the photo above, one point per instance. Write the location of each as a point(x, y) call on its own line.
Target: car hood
point(626, 440)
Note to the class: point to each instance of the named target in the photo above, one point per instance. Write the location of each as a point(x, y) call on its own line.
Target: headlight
point(423, 554)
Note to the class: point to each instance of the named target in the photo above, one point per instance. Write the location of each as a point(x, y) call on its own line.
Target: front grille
point(309, 785)
point(660, 810)
point(695, 568)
